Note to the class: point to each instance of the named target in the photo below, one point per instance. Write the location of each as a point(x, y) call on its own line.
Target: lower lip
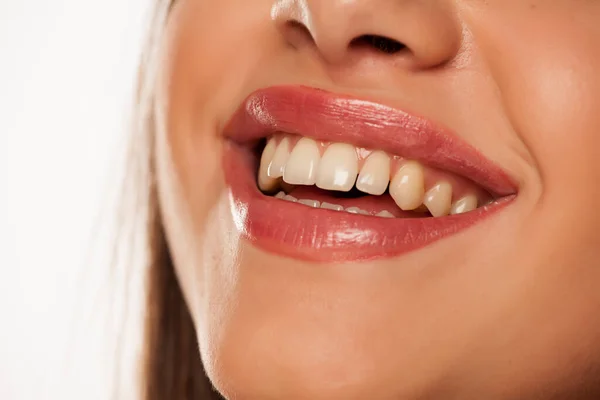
point(319, 235)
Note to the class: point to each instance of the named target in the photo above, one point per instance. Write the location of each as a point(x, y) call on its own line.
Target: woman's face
point(462, 104)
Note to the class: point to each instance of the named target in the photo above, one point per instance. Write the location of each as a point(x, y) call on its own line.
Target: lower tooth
point(280, 195)
point(329, 206)
point(385, 214)
point(287, 197)
point(356, 210)
point(310, 203)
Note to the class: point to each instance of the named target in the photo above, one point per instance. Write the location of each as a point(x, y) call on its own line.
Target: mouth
point(325, 177)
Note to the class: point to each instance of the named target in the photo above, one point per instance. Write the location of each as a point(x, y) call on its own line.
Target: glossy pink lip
point(322, 235)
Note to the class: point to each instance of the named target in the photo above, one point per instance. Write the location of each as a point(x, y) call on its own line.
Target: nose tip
point(420, 33)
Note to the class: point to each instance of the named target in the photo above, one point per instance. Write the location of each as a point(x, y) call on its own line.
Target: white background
point(66, 80)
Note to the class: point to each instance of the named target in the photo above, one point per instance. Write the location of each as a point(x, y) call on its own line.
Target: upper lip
point(333, 117)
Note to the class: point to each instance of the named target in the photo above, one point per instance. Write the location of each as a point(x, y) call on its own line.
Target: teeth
point(407, 186)
point(356, 210)
point(280, 158)
point(385, 214)
point(329, 206)
point(438, 199)
point(466, 204)
point(310, 203)
point(265, 182)
point(375, 174)
point(301, 166)
point(338, 168)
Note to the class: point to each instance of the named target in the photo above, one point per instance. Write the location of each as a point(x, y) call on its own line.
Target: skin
point(508, 309)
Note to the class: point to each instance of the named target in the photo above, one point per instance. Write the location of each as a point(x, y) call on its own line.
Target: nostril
point(379, 43)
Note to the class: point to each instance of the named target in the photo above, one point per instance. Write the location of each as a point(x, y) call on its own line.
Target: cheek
point(205, 59)
point(193, 197)
point(546, 67)
point(553, 103)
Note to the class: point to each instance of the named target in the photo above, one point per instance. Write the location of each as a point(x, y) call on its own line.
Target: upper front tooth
point(265, 182)
point(438, 199)
point(338, 168)
point(408, 187)
point(301, 166)
point(280, 157)
point(375, 174)
point(466, 204)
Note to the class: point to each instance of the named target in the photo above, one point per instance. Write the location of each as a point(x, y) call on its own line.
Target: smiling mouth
point(318, 176)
